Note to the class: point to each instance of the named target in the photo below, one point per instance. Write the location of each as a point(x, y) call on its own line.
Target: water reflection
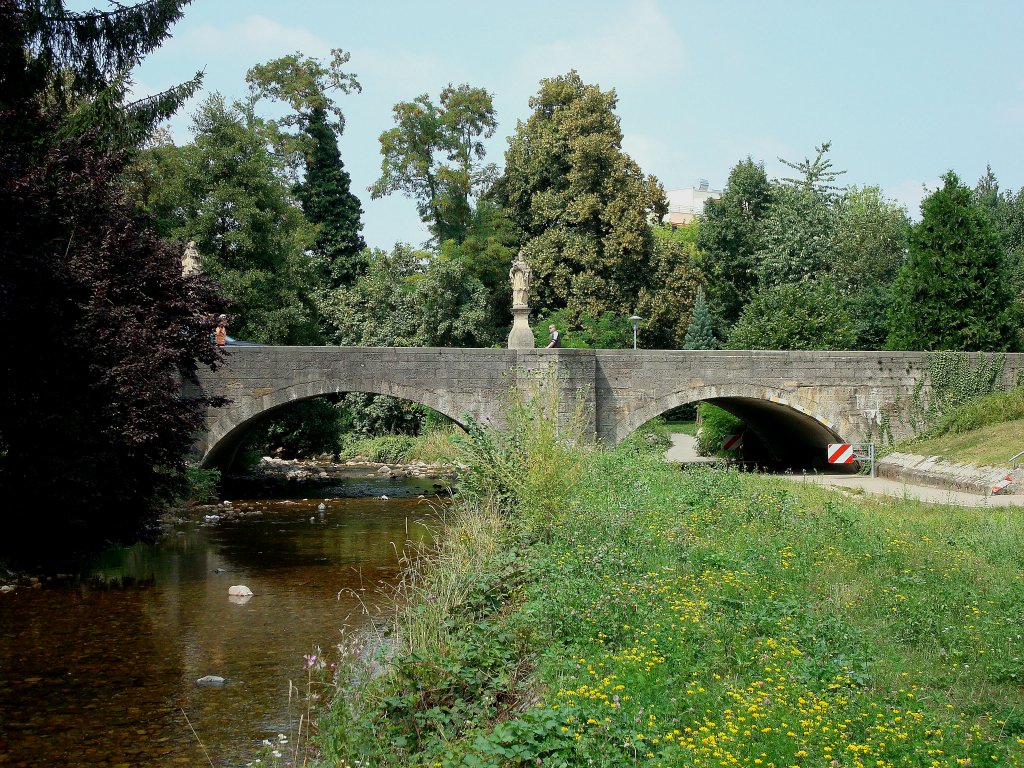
point(96, 671)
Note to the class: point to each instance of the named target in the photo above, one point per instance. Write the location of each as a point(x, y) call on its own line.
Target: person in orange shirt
point(221, 333)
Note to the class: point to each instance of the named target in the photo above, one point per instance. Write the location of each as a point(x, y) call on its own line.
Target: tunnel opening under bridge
point(776, 436)
point(272, 430)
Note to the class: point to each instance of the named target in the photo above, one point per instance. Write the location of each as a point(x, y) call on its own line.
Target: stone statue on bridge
point(521, 336)
point(190, 260)
point(519, 274)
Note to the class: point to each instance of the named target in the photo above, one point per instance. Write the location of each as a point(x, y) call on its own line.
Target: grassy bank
point(630, 614)
point(985, 430)
point(991, 445)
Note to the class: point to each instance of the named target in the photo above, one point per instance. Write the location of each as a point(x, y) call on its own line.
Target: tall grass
point(436, 446)
point(534, 462)
point(603, 609)
point(980, 412)
point(447, 663)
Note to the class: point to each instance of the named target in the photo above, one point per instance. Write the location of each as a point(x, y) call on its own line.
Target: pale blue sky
point(904, 90)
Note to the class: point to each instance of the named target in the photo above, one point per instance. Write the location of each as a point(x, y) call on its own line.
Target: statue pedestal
point(521, 336)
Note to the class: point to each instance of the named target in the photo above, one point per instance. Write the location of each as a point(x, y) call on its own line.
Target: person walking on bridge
point(555, 337)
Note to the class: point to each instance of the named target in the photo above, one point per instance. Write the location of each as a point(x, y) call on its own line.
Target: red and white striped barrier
point(732, 442)
point(840, 453)
point(1002, 485)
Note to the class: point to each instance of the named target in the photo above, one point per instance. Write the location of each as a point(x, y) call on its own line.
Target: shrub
point(649, 438)
point(980, 412)
point(794, 316)
point(438, 446)
point(717, 423)
point(389, 449)
point(202, 484)
point(532, 464)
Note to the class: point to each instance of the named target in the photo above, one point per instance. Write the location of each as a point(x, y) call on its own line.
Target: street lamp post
point(635, 319)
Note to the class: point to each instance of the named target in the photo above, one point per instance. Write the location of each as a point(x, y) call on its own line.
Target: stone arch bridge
point(795, 402)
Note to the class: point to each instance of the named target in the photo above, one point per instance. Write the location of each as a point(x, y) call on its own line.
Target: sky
point(905, 90)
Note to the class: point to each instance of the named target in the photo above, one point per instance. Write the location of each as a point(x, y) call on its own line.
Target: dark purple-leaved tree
point(98, 326)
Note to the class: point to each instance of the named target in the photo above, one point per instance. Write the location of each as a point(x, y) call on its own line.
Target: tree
point(699, 334)
point(953, 292)
point(1006, 211)
point(791, 316)
point(795, 235)
point(609, 330)
point(728, 239)
point(817, 174)
point(226, 192)
point(667, 300)
point(485, 254)
point(326, 196)
point(581, 203)
point(406, 298)
point(869, 245)
point(794, 238)
point(92, 302)
point(411, 298)
point(415, 150)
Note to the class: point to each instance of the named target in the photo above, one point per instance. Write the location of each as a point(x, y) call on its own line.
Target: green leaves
point(227, 193)
point(412, 155)
point(580, 201)
point(304, 84)
point(953, 291)
point(411, 298)
point(789, 316)
point(728, 238)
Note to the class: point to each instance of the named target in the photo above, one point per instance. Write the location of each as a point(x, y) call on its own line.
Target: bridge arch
point(788, 427)
point(226, 433)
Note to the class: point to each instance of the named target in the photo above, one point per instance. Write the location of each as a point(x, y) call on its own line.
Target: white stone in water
point(322, 506)
point(6, 588)
point(210, 681)
point(240, 590)
point(384, 498)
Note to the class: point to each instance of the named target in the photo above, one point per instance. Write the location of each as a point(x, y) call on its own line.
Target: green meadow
point(604, 609)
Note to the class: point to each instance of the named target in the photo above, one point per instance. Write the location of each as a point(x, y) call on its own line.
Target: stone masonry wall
point(847, 395)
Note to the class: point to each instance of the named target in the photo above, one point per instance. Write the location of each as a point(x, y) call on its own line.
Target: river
point(100, 669)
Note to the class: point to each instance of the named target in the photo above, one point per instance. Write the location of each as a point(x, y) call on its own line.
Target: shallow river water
point(97, 670)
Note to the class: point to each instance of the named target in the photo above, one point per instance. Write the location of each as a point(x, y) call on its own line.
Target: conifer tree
point(328, 202)
point(699, 334)
point(305, 83)
point(953, 292)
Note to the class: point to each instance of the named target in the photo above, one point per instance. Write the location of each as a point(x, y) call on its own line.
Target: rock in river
point(210, 681)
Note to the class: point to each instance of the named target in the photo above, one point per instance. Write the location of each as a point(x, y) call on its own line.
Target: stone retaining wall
point(940, 473)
